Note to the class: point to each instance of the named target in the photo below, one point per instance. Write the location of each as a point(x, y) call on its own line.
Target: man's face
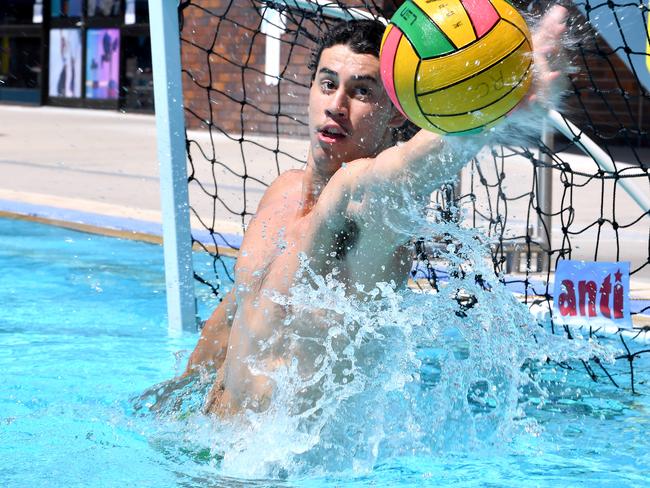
point(350, 114)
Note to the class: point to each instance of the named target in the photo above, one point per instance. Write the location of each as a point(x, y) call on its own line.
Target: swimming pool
point(82, 332)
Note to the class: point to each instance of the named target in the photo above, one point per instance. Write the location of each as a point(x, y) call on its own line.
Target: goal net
point(576, 194)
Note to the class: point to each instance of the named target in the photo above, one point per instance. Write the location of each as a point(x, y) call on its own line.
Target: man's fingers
point(554, 19)
point(546, 49)
point(553, 75)
point(558, 13)
point(544, 83)
point(551, 27)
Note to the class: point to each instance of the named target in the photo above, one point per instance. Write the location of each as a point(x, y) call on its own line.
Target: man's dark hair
point(362, 36)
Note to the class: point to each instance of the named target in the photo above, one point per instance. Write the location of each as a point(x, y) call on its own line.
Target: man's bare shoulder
point(338, 191)
point(288, 176)
point(288, 182)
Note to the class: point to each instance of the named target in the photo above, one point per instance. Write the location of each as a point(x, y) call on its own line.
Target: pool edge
point(149, 232)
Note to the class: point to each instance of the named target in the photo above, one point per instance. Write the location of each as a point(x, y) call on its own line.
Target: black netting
point(247, 122)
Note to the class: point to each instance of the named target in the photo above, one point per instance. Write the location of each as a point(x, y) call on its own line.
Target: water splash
point(392, 373)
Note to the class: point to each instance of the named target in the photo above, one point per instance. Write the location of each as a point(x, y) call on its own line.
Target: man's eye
point(362, 92)
point(327, 85)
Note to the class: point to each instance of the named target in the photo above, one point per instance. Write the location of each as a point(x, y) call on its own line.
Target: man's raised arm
point(424, 163)
point(428, 160)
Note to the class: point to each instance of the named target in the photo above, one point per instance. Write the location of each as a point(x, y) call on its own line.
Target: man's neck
point(313, 183)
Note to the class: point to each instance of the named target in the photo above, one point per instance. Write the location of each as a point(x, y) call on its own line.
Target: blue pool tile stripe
point(203, 236)
point(110, 222)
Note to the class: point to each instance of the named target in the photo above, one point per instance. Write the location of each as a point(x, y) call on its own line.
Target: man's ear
point(397, 119)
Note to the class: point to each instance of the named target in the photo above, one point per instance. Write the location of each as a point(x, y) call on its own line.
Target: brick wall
point(223, 56)
point(607, 100)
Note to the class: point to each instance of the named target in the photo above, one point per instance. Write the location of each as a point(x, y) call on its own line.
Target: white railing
point(600, 157)
point(326, 7)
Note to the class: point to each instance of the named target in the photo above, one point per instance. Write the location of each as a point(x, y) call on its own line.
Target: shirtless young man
point(334, 212)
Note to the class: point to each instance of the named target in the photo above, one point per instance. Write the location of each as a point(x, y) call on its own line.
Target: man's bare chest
point(270, 249)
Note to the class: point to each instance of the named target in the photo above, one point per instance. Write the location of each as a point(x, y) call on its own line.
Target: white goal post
point(170, 129)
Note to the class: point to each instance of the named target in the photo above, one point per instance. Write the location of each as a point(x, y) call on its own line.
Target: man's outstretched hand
point(433, 158)
point(547, 47)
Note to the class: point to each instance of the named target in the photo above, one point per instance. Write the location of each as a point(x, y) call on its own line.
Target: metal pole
point(170, 127)
point(545, 199)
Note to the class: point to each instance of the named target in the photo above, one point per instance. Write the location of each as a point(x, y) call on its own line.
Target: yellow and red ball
point(456, 66)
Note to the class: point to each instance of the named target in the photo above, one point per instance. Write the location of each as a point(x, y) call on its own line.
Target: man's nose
point(338, 105)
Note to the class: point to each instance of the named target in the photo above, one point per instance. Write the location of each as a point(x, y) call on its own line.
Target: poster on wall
point(65, 63)
point(104, 8)
point(102, 63)
point(66, 8)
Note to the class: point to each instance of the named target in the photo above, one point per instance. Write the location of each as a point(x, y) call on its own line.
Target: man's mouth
point(331, 134)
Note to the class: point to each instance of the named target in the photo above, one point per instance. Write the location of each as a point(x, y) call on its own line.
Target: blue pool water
point(83, 331)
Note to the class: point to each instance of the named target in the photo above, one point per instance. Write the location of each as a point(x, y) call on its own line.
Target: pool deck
point(89, 167)
point(98, 171)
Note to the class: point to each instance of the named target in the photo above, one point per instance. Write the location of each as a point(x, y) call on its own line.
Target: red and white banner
point(595, 294)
